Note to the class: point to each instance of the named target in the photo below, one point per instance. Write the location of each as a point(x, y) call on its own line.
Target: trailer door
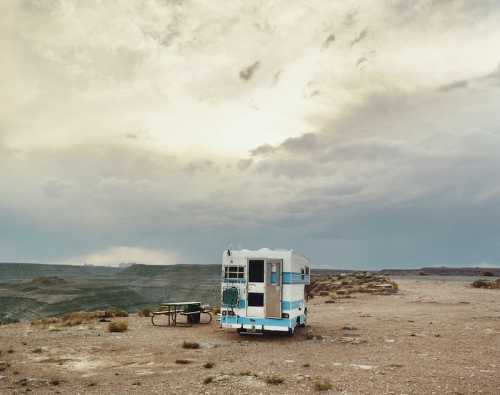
point(256, 288)
point(273, 288)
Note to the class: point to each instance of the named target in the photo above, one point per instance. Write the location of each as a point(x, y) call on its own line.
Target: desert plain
point(437, 335)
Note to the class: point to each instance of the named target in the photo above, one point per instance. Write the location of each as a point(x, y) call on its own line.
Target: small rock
point(349, 328)
point(363, 367)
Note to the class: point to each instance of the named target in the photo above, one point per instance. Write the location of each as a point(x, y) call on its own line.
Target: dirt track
point(435, 336)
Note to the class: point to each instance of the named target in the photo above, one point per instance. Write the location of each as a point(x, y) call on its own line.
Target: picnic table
point(191, 310)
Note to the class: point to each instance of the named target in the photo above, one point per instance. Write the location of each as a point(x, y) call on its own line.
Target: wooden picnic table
point(173, 309)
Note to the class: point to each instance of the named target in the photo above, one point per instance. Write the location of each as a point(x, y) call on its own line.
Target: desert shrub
point(77, 318)
point(306, 365)
point(323, 385)
point(190, 345)
point(481, 284)
point(115, 312)
point(144, 313)
point(209, 365)
point(208, 380)
point(183, 361)
point(46, 321)
point(274, 379)
point(117, 326)
point(37, 350)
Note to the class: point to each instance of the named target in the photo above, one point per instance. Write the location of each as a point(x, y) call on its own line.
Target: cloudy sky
point(364, 134)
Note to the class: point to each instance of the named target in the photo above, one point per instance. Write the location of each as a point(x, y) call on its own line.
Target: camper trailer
point(264, 290)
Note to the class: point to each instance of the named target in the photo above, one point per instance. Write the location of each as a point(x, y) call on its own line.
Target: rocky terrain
point(490, 284)
point(344, 285)
point(434, 336)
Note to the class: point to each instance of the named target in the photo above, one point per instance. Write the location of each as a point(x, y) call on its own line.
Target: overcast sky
point(361, 133)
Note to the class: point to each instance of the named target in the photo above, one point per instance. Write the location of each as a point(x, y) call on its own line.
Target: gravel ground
point(437, 336)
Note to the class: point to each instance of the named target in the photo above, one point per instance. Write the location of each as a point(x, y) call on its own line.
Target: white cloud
point(113, 256)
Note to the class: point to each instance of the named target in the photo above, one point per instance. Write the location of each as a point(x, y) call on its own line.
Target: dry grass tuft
point(274, 379)
point(144, 313)
point(209, 365)
point(79, 317)
point(323, 385)
point(190, 345)
point(208, 380)
point(115, 312)
point(117, 326)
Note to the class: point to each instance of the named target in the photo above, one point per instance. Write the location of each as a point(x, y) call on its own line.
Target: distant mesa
point(47, 281)
point(124, 265)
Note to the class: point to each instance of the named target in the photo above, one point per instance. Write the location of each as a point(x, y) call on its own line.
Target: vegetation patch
point(144, 313)
point(209, 365)
point(190, 345)
point(117, 326)
point(323, 385)
point(208, 380)
point(274, 379)
point(115, 312)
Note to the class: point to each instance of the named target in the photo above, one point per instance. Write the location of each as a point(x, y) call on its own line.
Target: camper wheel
point(291, 331)
point(241, 331)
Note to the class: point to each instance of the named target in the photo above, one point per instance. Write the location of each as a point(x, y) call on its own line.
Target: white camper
point(264, 290)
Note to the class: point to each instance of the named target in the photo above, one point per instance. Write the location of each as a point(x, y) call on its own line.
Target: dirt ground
point(436, 336)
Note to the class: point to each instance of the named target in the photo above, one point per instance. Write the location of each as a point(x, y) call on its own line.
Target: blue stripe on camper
point(226, 319)
point(235, 280)
point(288, 305)
point(295, 278)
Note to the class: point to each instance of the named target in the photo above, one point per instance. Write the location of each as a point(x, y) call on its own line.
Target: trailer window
point(255, 299)
point(256, 271)
point(234, 272)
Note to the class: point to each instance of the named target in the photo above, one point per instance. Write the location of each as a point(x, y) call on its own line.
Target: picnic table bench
point(191, 310)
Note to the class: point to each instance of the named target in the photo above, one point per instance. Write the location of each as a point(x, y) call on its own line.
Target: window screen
point(256, 271)
point(234, 272)
point(255, 299)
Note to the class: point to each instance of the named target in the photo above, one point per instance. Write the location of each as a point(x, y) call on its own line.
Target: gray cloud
point(388, 170)
point(248, 72)
point(263, 150)
point(360, 37)
point(453, 85)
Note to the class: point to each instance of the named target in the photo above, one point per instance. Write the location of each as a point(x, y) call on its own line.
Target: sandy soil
point(435, 337)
